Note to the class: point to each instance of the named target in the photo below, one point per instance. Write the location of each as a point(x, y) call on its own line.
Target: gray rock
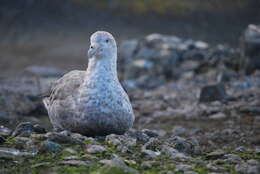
point(74, 162)
point(49, 146)
point(140, 136)
point(250, 45)
point(217, 116)
point(125, 140)
point(118, 163)
point(181, 144)
point(26, 129)
point(150, 148)
point(62, 139)
point(4, 131)
point(14, 154)
point(213, 93)
point(232, 158)
point(179, 131)
point(215, 154)
point(2, 140)
point(183, 168)
point(96, 149)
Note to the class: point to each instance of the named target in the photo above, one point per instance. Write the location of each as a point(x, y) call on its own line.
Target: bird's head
point(102, 44)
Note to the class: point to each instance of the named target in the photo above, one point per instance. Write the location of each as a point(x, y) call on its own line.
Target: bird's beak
point(93, 50)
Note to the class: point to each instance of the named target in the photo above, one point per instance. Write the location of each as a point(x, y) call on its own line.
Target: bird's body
point(91, 102)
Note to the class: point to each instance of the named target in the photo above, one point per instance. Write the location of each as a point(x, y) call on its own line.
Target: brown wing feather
point(66, 86)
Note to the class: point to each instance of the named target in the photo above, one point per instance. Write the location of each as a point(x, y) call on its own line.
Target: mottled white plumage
point(92, 102)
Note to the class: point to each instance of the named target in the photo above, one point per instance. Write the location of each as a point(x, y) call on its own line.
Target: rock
point(2, 140)
point(217, 116)
point(14, 154)
point(250, 46)
point(191, 172)
point(49, 146)
point(22, 142)
point(215, 154)
point(154, 133)
point(70, 150)
point(118, 163)
point(232, 159)
point(22, 96)
point(74, 162)
point(62, 139)
point(181, 144)
point(247, 169)
point(96, 149)
point(183, 168)
point(26, 129)
point(121, 140)
point(140, 136)
point(179, 131)
point(151, 148)
point(4, 131)
point(147, 164)
point(213, 93)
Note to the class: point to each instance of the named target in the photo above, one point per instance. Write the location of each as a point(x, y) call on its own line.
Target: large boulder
point(156, 58)
point(250, 49)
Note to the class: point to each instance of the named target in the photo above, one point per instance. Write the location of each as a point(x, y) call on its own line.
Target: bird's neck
point(105, 66)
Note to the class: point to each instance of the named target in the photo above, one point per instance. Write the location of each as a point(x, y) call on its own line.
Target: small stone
point(75, 163)
point(88, 156)
point(213, 93)
point(154, 133)
point(2, 140)
point(73, 157)
point(140, 136)
point(146, 164)
point(254, 169)
point(215, 154)
point(25, 129)
point(240, 149)
point(218, 116)
point(252, 162)
point(21, 142)
point(49, 146)
point(183, 168)
point(181, 144)
point(70, 150)
point(119, 163)
point(14, 154)
point(232, 158)
point(179, 131)
point(190, 172)
point(96, 149)
point(4, 131)
point(62, 138)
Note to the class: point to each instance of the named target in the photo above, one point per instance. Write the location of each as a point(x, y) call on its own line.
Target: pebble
point(96, 149)
point(49, 146)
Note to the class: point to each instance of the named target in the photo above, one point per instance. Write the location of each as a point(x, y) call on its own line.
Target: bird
point(92, 102)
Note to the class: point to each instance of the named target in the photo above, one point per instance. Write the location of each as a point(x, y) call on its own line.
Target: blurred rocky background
point(191, 69)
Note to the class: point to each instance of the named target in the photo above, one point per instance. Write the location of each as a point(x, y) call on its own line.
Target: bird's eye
point(107, 40)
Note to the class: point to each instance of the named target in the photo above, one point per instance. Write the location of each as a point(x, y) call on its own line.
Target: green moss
point(77, 170)
point(111, 170)
point(248, 155)
point(200, 168)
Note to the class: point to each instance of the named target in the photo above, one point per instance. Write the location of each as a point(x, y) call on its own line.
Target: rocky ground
point(196, 112)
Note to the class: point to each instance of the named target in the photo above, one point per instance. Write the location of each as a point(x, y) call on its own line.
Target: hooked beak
point(93, 50)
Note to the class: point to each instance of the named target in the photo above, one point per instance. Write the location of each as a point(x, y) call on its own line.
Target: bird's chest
point(103, 95)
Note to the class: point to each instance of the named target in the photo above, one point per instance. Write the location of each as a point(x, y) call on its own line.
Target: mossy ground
point(43, 163)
